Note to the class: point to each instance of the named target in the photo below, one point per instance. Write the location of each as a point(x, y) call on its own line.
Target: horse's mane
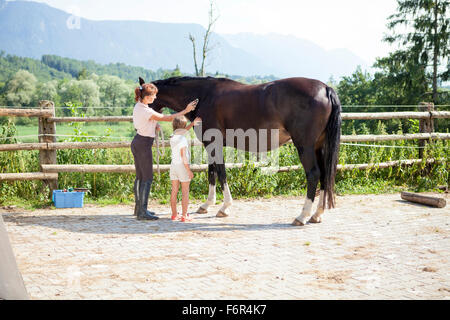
point(178, 80)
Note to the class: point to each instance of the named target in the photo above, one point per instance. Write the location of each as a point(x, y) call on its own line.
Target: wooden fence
point(47, 144)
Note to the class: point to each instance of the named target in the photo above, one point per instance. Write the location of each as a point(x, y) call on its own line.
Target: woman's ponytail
point(137, 94)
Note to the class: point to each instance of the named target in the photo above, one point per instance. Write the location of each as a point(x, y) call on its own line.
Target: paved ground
point(370, 247)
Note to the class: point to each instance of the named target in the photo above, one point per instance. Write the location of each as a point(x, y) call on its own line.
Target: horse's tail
point(331, 147)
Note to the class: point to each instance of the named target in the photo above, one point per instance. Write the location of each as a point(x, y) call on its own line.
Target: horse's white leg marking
point(320, 209)
point(227, 199)
point(306, 212)
point(211, 197)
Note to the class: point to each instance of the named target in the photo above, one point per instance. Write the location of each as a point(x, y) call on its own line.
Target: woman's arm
point(163, 117)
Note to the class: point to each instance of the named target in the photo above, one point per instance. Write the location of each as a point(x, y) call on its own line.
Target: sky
point(357, 25)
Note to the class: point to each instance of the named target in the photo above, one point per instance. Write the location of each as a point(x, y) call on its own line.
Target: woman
point(145, 122)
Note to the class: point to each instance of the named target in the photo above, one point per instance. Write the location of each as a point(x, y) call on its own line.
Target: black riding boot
point(144, 191)
point(145, 199)
point(136, 196)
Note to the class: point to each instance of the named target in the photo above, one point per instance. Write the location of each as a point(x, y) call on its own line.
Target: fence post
point(425, 125)
point(47, 131)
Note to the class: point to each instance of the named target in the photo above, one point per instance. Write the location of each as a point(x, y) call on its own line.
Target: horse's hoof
point(297, 223)
point(202, 211)
point(315, 220)
point(221, 214)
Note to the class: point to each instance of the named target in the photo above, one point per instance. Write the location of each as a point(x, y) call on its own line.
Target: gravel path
point(370, 247)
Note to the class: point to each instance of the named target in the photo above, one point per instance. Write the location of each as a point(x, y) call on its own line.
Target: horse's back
point(299, 86)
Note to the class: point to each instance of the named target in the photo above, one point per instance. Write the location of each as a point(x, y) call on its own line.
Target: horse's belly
point(252, 140)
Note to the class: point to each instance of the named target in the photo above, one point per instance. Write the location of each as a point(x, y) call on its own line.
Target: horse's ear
point(141, 81)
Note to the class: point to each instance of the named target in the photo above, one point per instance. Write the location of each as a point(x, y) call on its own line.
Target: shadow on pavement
point(127, 224)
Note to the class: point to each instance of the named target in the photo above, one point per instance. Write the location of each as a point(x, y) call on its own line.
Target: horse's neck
point(170, 101)
point(178, 98)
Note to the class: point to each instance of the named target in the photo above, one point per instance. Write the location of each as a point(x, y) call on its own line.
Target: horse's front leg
point(212, 174)
point(227, 199)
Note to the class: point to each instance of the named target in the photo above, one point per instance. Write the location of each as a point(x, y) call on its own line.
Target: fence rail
point(47, 144)
point(26, 113)
point(127, 168)
point(91, 119)
point(345, 116)
point(28, 176)
point(396, 115)
point(166, 144)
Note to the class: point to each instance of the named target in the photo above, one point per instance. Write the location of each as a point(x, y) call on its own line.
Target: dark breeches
point(141, 147)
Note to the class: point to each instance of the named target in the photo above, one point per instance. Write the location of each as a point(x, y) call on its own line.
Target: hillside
point(154, 45)
point(151, 45)
point(121, 70)
point(10, 64)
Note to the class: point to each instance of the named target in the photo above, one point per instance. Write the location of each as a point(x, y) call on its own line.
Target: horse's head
point(169, 95)
point(175, 93)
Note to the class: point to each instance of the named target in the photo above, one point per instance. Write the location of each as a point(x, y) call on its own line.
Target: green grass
point(121, 129)
point(27, 204)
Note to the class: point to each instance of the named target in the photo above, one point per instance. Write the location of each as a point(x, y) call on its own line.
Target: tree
point(400, 80)
point(83, 74)
point(206, 48)
point(357, 89)
point(427, 26)
point(172, 73)
point(21, 89)
point(85, 92)
point(114, 92)
point(48, 91)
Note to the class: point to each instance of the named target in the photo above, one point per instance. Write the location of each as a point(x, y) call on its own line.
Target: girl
point(145, 122)
point(180, 171)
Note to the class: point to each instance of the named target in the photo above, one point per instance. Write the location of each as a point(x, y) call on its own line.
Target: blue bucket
point(68, 199)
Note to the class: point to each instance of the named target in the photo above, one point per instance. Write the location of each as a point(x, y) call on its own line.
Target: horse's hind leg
point(212, 175)
point(309, 162)
point(316, 218)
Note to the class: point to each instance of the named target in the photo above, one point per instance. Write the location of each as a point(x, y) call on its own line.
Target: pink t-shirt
point(141, 115)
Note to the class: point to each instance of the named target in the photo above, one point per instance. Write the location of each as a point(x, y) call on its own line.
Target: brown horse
point(304, 110)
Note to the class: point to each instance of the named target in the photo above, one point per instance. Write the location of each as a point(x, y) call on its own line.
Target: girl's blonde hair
point(179, 122)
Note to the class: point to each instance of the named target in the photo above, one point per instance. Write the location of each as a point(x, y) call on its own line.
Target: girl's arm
point(193, 123)
point(189, 126)
point(185, 162)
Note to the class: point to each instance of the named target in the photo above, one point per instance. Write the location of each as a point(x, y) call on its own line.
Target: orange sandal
point(176, 218)
point(186, 218)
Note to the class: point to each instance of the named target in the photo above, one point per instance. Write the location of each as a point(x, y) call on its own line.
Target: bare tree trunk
point(436, 51)
point(206, 48)
point(191, 37)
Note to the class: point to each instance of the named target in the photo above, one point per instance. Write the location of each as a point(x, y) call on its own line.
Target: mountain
point(34, 29)
point(291, 55)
